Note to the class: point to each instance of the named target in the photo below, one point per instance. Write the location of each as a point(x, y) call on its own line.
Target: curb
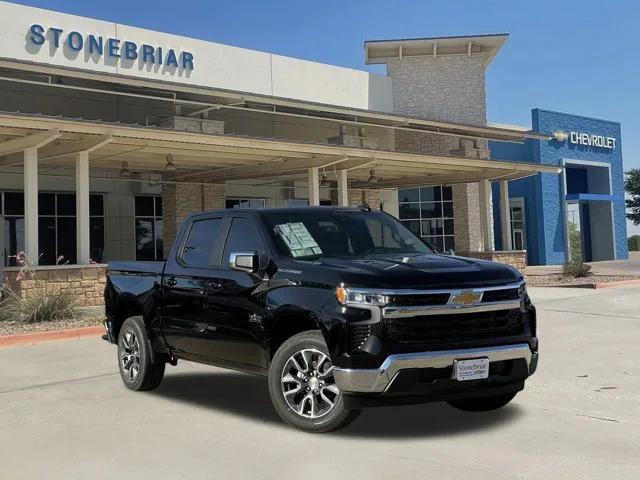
point(620, 283)
point(41, 337)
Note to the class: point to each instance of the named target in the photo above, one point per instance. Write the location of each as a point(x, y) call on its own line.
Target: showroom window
point(428, 212)
point(244, 202)
point(148, 222)
point(56, 226)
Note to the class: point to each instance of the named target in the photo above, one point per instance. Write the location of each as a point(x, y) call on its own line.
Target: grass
point(41, 305)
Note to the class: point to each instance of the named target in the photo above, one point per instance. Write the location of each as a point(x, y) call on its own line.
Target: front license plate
point(472, 369)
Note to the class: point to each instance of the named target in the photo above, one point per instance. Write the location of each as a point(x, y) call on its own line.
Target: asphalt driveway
point(65, 414)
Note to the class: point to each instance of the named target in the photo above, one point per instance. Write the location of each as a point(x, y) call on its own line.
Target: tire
point(134, 351)
point(323, 411)
point(482, 404)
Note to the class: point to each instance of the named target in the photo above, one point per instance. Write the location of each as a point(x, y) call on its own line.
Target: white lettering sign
point(590, 140)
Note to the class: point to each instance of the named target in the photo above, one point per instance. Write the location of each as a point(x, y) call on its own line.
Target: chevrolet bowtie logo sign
point(465, 298)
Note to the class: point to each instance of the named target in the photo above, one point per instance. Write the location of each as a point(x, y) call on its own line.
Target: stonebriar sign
point(111, 48)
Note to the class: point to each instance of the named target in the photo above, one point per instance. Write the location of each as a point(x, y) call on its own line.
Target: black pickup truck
point(342, 308)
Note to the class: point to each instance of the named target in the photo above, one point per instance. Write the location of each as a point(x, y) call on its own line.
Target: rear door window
point(199, 248)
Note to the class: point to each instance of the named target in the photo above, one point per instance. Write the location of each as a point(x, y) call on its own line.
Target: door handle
point(214, 285)
point(171, 281)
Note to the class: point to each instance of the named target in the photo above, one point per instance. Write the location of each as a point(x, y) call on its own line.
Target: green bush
point(634, 243)
point(576, 269)
point(41, 305)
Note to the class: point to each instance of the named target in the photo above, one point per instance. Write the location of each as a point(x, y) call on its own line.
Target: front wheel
point(482, 404)
point(137, 368)
point(302, 388)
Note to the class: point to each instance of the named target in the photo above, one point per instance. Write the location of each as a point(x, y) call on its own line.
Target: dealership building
point(110, 135)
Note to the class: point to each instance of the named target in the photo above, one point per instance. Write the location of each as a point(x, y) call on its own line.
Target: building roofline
point(379, 51)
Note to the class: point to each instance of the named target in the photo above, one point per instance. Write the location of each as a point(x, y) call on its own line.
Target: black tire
point(336, 416)
point(149, 374)
point(482, 404)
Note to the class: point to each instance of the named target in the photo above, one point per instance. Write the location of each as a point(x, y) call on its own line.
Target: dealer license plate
point(471, 369)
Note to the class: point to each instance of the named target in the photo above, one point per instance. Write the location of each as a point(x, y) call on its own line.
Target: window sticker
point(298, 239)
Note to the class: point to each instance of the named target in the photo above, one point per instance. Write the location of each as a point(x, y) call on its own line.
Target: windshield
point(335, 233)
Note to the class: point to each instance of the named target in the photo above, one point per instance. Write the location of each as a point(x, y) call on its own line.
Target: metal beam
point(35, 140)
point(88, 144)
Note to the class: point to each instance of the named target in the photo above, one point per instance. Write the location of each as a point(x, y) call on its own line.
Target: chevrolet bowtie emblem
point(465, 298)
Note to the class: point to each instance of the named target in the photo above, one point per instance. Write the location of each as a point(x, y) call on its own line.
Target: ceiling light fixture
point(125, 172)
point(372, 177)
point(325, 181)
point(170, 166)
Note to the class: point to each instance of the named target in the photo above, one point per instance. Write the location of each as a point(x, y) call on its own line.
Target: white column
point(314, 187)
point(343, 189)
point(505, 215)
point(31, 205)
point(485, 215)
point(82, 208)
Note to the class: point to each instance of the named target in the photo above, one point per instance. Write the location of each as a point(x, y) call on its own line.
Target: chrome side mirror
point(243, 261)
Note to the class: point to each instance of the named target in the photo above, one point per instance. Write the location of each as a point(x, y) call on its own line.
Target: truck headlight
point(522, 290)
point(354, 296)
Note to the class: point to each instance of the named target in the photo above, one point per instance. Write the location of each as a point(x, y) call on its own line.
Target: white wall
point(215, 65)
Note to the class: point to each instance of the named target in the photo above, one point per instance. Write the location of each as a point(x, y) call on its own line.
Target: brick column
point(181, 200)
point(358, 197)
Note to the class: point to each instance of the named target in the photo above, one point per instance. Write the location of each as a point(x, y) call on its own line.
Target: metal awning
point(196, 100)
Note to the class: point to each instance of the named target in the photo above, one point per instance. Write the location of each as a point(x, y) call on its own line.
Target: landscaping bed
point(18, 328)
point(590, 281)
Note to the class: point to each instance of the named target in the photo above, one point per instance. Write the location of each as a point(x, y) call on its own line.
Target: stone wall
point(181, 200)
point(86, 282)
point(358, 197)
point(448, 88)
point(515, 258)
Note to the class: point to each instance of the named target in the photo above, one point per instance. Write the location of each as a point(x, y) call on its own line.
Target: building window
point(148, 224)
point(56, 227)
point(244, 202)
point(518, 228)
point(428, 212)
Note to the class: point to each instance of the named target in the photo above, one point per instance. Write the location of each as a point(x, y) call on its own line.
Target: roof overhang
point(379, 51)
point(223, 158)
point(197, 98)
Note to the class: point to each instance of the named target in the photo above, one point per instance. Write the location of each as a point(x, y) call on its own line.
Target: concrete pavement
point(65, 414)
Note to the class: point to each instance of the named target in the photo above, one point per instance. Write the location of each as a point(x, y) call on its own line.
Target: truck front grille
point(450, 329)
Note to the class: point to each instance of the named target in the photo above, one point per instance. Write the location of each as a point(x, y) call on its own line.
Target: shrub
point(40, 305)
point(634, 243)
point(576, 269)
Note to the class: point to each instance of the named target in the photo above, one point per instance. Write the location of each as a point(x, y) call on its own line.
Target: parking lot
point(66, 414)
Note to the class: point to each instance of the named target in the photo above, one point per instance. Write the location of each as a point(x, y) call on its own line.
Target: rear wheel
point(302, 387)
point(482, 404)
point(138, 370)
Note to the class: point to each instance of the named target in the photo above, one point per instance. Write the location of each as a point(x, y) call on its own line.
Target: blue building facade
point(587, 197)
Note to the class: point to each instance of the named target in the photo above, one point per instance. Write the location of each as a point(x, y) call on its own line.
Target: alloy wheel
point(130, 355)
point(308, 385)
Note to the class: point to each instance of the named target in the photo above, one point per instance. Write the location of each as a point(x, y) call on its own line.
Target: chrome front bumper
point(378, 380)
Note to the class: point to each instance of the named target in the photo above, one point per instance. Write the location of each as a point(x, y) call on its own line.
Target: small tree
point(634, 243)
point(632, 186)
point(575, 242)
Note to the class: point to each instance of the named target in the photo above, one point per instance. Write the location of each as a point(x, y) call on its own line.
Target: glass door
point(518, 227)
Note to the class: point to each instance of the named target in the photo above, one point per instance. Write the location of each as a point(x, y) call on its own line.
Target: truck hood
point(420, 272)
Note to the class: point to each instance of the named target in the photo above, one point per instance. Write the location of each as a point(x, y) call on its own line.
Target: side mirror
point(449, 252)
point(243, 261)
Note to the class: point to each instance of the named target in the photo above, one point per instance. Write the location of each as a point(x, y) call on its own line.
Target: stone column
point(314, 187)
point(343, 189)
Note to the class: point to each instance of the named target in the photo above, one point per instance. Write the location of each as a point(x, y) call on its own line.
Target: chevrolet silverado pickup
point(341, 308)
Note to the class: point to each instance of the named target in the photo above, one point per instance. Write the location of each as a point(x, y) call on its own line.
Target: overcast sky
point(579, 57)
